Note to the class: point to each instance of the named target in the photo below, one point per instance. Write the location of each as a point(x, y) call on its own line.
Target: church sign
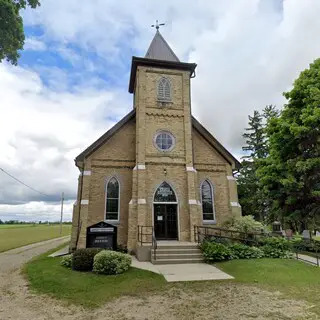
point(102, 235)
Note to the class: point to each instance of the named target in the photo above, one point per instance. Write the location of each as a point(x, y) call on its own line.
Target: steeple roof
point(160, 50)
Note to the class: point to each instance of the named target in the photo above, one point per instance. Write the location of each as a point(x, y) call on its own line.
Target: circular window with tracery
point(164, 141)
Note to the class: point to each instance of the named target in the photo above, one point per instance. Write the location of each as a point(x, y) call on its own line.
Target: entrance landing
point(185, 272)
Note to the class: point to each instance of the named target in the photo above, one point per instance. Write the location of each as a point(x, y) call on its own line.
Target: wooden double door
point(166, 221)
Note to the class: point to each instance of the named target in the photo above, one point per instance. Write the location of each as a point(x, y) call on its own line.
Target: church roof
point(160, 50)
point(131, 115)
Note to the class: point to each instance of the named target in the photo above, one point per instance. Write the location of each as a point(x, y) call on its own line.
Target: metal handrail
point(154, 244)
point(222, 233)
point(141, 234)
point(143, 238)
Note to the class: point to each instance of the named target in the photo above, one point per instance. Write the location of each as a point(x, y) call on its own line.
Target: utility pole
point(62, 198)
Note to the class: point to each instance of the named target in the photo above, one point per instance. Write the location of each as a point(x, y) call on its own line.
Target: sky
point(71, 84)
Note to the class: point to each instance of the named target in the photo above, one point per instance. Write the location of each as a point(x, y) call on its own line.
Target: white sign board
point(101, 229)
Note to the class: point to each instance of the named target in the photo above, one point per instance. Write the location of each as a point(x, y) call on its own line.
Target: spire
point(160, 50)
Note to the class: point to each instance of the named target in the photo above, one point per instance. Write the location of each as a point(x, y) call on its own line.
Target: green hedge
point(82, 259)
point(273, 247)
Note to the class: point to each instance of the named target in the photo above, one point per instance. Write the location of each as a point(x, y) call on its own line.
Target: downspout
point(79, 203)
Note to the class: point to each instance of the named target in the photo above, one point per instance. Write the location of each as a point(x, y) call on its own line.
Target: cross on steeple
point(157, 25)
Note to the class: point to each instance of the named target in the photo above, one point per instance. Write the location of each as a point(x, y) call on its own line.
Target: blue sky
point(71, 84)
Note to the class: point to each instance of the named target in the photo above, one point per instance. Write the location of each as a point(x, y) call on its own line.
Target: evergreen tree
point(248, 185)
point(253, 199)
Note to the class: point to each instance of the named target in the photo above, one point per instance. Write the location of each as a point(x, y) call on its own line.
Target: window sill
point(113, 222)
point(209, 222)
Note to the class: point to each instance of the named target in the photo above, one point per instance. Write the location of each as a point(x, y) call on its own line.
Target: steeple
point(160, 50)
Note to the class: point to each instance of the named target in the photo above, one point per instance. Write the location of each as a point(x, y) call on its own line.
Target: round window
point(164, 141)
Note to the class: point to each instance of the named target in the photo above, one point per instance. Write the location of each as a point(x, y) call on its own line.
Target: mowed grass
point(296, 279)
point(14, 236)
point(90, 290)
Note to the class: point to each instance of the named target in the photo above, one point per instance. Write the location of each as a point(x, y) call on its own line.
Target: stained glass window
point(165, 193)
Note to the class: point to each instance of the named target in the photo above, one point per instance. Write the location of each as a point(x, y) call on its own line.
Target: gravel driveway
point(225, 301)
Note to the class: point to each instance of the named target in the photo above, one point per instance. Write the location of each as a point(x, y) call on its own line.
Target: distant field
point(14, 236)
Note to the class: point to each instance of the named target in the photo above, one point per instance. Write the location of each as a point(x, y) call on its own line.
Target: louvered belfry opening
point(164, 90)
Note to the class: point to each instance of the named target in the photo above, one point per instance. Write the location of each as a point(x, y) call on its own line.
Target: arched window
point(112, 201)
point(207, 201)
point(164, 90)
point(165, 193)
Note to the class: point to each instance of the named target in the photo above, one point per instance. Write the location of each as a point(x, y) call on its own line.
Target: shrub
point(305, 245)
point(273, 252)
point(277, 243)
point(111, 262)
point(218, 239)
point(245, 224)
point(66, 261)
point(213, 251)
point(276, 247)
point(242, 251)
point(82, 259)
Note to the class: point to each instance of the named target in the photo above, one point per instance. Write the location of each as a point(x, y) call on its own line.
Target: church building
point(158, 172)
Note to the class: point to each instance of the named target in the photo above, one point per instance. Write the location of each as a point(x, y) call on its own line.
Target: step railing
point(204, 232)
point(146, 235)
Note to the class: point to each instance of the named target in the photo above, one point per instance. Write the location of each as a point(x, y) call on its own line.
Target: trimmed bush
point(82, 259)
point(111, 262)
point(242, 251)
point(213, 251)
point(66, 261)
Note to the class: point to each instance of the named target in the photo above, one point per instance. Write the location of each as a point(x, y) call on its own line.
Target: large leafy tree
point(11, 28)
point(291, 174)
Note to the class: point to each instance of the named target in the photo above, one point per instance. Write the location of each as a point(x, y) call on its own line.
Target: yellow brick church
point(158, 172)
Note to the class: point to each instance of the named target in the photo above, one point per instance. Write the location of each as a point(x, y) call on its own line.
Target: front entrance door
point(165, 221)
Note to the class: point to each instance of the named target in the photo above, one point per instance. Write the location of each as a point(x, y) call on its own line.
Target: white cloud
point(42, 131)
point(34, 44)
point(35, 211)
point(248, 52)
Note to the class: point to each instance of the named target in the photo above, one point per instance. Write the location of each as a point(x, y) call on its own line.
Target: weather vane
point(157, 25)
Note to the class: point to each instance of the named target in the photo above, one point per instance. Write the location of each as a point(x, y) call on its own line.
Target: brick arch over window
point(207, 201)
point(112, 199)
point(164, 89)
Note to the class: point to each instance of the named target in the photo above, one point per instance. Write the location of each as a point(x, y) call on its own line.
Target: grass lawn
point(14, 236)
point(46, 275)
point(295, 279)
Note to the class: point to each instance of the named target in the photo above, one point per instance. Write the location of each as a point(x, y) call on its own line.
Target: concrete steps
point(176, 253)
